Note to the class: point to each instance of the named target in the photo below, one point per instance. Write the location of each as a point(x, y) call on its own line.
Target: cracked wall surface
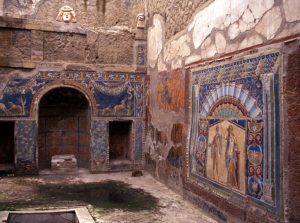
point(176, 13)
point(90, 14)
point(217, 33)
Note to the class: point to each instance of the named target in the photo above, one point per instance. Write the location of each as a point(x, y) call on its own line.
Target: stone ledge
point(20, 23)
point(59, 66)
point(82, 214)
point(8, 62)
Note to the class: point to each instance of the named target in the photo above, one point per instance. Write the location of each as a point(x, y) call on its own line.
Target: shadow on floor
point(106, 195)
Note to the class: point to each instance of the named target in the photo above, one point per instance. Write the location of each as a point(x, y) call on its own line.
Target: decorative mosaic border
point(116, 94)
point(254, 83)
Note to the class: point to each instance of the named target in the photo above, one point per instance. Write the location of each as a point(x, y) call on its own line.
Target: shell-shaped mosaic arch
point(230, 90)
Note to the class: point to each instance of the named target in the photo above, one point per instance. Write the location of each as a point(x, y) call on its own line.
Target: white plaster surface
point(288, 31)
point(213, 16)
point(251, 41)
point(247, 22)
point(231, 47)
point(176, 64)
point(208, 49)
point(261, 19)
point(259, 7)
point(155, 40)
point(220, 42)
point(1, 7)
point(161, 66)
point(270, 23)
point(291, 10)
point(237, 8)
point(177, 48)
point(192, 59)
point(233, 31)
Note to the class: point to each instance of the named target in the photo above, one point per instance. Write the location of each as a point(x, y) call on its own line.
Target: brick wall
point(293, 134)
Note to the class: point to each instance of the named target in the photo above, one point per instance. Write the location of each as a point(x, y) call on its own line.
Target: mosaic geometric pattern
point(141, 54)
point(235, 132)
point(99, 144)
point(26, 134)
point(117, 94)
point(138, 151)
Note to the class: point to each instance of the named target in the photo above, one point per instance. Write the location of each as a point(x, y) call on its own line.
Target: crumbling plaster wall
point(102, 45)
point(32, 43)
point(99, 36)
point(91, 14)
point(218, 30)
point(177, 13)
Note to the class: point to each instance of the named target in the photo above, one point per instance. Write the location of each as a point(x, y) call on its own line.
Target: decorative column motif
point(268, 97)
point(25, 147)
point(99, 146)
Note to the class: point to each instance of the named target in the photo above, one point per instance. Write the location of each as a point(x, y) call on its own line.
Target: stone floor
point(143, 199)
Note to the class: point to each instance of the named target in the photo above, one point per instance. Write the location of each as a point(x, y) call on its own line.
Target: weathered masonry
point(68, 88)
point(223, 123)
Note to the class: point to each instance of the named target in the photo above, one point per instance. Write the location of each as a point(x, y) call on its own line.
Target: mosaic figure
point(231, 158)
point(216, 149)
point(239, 100)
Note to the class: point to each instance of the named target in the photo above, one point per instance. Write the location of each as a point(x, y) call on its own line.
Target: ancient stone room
point(149, 111)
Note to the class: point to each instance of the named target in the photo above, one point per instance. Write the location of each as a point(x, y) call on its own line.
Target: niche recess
point(120, 146)
point(7, 154)
point(64, 126)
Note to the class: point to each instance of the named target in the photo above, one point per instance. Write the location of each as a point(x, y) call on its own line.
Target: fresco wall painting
point(235, 131)
point(171, 90)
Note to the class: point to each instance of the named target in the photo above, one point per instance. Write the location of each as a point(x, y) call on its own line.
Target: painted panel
point(235, 131)
point(171, 90)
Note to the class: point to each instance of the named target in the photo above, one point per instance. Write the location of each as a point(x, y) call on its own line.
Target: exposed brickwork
point(177, 13)
point(107, 48)
point(292, 89)
point(15, 44)
point(64, 47)
point(90, 14)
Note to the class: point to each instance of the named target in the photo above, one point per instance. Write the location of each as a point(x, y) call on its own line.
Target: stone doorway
point(7, 154)
point(64, 126)
point(120, 145)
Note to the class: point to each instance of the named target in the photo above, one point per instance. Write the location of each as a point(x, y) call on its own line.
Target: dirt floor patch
point(110, 198)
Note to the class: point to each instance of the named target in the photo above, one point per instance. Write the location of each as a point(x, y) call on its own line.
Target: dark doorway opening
point(64, 126)
point(120, 142)
point(7, 154)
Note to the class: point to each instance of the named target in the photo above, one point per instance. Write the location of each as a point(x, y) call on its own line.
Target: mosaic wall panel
point(235, 133)
point(117, 94)
point(171, 90)
point(25, 146)
point(99, 145)
point(138, 151)
point(141, 54)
